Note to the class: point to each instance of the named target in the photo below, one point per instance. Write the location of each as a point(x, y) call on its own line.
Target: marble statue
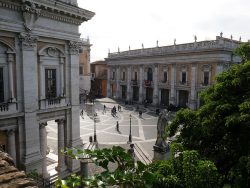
point(161, 126)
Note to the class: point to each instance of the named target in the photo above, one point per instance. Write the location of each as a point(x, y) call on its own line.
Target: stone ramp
point(142, 155)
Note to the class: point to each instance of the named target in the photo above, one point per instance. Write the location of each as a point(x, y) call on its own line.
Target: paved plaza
point(144, 130)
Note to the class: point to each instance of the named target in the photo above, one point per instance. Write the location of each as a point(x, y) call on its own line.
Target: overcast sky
point(127, 23)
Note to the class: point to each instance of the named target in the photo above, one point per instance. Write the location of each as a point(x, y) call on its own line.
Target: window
point(183, 77)
point(50, 83)
point(123, 76)
point(206, 78)
point(165, 76)
point(135, 76)
point(80, 70)
point(113, 76)
point(1, 86)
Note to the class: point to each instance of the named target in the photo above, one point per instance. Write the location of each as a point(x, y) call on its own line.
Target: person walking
point(117, 126)
point(81, 114)
point(104, 109)
point(140, 114)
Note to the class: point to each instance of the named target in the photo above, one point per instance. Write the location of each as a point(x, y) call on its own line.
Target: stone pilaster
point(141, 84)
point(129, 93)
point(108, 82)
point(32, 155)
point(12, 144)
point(156, 90)
point(172, 85)
point(219, 68)
point(61, 158)
point(193, 95)
point(118, 83)
point(73, 122)
point(41, 81)
point(43, 146)
point(62, 62)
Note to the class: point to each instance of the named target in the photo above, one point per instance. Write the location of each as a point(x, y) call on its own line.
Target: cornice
point(51, 9)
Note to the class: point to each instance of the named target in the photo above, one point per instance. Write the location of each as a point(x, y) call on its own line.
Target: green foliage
point(243, 51)
point(183, 170)
point(220, 129)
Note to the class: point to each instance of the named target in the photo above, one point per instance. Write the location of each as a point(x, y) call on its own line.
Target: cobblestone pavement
point(143, 129)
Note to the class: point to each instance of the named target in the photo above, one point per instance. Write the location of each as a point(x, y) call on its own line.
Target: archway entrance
point(183, 98)
point(164, 97)
point(124, 92)
point(135, 93)
point(149, 94)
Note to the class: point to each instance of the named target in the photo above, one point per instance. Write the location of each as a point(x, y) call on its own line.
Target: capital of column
point(10, 132)
point(62, 60)
point(43, 125)
point(74, 47)
point(10, 57)
point(60, 121)
point(28, 41)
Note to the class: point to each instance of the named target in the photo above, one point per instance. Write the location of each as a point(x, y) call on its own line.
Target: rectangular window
point(50, 83)
point(183, 77)
point(113, 76)
point(206, 78)
point(165, 77)
point(80, 70)
point(123, 76)
point(1, 86)
point(135, 76)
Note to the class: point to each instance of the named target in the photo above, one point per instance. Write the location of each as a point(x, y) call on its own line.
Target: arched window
point(150, 74)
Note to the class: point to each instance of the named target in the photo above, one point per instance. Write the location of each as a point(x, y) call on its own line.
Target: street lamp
point(95, 140)
point(130, 136)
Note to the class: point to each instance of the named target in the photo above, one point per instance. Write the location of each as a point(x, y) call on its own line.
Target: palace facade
point(170, 74)
point(39, 79)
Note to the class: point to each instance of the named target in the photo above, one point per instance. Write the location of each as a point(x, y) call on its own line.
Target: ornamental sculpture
point(28, 40)
point(30, 15)
point(74, 46)
point(160, 145)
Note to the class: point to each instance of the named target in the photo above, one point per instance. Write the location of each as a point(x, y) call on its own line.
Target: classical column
point(10, 70)
point(108, 82)
point(61, 159)
point(118, 83)
point(172, 88)
point(128, 83)
point(41, 80)
point(62, 75)
point(193, 97)
point(156, 90)
point(12, 144)
point(43, 146)
point(141, 84)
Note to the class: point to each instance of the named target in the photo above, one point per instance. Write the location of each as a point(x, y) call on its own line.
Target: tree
point(191, 171)
point(220, 129)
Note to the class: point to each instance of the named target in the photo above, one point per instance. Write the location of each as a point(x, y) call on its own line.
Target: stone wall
point(10, 177)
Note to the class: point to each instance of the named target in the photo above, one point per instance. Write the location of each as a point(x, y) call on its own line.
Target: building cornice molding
point(50, 9)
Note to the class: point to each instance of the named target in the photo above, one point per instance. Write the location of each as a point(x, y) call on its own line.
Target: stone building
point(84, 67)
point(39, 79)
point(170, 74)
point(99, 78)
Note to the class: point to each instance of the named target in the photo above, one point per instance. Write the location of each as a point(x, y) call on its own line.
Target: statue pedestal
point(161, 153)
